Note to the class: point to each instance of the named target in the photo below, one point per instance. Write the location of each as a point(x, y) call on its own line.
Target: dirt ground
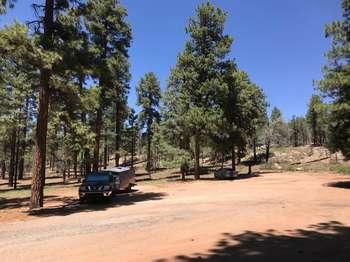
point(268, 217)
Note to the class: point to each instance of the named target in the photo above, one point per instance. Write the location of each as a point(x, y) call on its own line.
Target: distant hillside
point(306, 158)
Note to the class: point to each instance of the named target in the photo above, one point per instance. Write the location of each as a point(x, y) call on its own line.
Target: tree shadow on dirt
point(19, 202)
point(146, 177)
point(340, 184)
point(240, 177)
point(47, 184)
point(71, 205)
point(321, 242)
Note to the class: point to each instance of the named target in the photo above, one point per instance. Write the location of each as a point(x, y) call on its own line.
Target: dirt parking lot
point(269, 217)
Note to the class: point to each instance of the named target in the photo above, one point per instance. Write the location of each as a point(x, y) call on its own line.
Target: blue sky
point(280, 44)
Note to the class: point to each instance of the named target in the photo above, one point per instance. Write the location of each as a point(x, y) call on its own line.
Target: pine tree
point(280, 130)
point(16, 88)
point(196, 76)
point(148, 96)
point(110, 38)
point(317, 119)
point(4, 4)
point(336, 82)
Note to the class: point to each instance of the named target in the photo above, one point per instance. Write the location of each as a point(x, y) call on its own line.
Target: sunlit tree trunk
point(3, 161)
point(98, 127)
point(12, 157)
point(233, 157)
point(23, 141)
point(117, 133)
point(39, 157)
point(196, 156)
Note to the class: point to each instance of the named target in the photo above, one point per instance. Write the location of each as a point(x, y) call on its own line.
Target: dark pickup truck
point(105, 184)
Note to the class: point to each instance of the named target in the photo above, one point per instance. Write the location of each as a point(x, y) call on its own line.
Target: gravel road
point(294, 216)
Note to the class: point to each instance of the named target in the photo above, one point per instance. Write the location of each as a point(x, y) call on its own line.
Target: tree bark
point(87, 161)
point(105, 151)
point(53, 161)
point(222, 160)
point(3, 161)
point(12, 157)
point(16, 161)
point(3, 169)
point(64, 172)
point(75, 165)
point(39, 157)
point(249, 168)
point(117, 133)
point(267, 152)
point(132, 147)
point(254, 150)
point(196, 156)
point(149, 141)
point(23, 141)
point(68, 167)
point(98, 126)
point(233, 155)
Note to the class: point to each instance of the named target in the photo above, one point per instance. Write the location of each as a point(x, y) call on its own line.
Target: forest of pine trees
point(65, 80)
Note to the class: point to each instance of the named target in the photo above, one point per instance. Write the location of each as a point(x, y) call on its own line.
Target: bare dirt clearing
point(294, 216)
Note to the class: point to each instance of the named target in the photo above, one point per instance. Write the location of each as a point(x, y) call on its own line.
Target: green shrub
point(341, 169)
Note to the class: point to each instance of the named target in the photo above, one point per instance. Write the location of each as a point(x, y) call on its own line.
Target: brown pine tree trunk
point(75, 165)
point(233, 155)
point(239, 155)
point(267, 152)
point(3, 169)
point(21, 167)
point(222, 160)
point(254, 150)
point(39, 157)
point(23, 141)
point(149, 161)
point(12, 157)
point(105, 151)
point(117, 133)
point(68, 167)
point(87, 161)
point(196, 156)
point(132, 147)
point(53, 161)
point(3, 162)
point(16, 161)
point(64, 173)
point(98, 126)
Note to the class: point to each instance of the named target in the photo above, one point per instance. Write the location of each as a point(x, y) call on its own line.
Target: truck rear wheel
point(129, 188)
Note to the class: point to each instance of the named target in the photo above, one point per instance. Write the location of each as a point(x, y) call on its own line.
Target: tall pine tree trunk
point(87, 161)
point(254, 150)
point(39, 157)
point(75, 164)
point(98, 127)
point(23, 141)
point(68, 167)
point(64, 176)
point(267, 152)
point(149, 160)
point(233, 155)
point(105, 151)
point(132, 147)
point(3, 161)
point(16, 161)
point(3, 169)
point(196, 156)
point(12, 157)
point(117, 133)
